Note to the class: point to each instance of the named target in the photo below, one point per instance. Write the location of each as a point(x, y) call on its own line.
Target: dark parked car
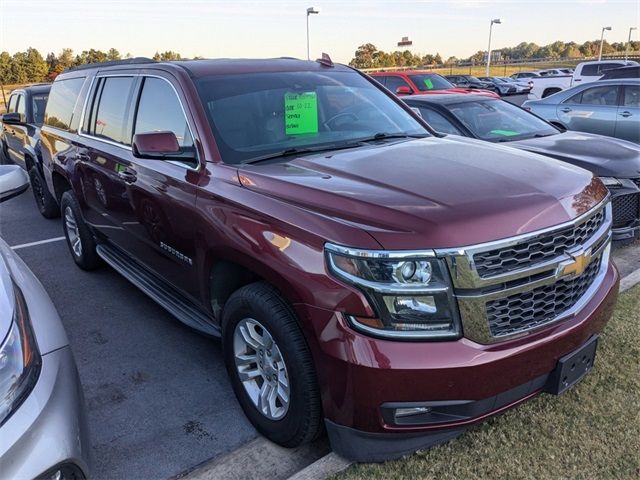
point(19, 137)
point(361, 271)
point(504, 88)
point(616, 162)
point(469, 81)
point(632, 71)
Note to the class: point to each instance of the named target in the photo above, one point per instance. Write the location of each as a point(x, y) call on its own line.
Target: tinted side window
point(631, 96)
point(13, 102)
point(113, 100)
point(38, 104)
point(159, 110)
point(393, 83)
point(381, 80)
point(62, 100)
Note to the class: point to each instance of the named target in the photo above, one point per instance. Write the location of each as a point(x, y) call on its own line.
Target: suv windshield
point(426, 82)
point(499, 121)
point(256, 115)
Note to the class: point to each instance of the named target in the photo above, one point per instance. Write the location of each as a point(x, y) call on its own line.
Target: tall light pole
point(495, 20)
point(310, 11)
point(602, 41)
point(626, 50)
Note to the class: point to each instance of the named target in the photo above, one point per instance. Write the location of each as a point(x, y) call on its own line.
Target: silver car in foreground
point(605, 107)
point(43, 429)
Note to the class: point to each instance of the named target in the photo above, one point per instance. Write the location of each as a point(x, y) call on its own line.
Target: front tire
point(270, 366)
point(45, 202)
point(80, 241)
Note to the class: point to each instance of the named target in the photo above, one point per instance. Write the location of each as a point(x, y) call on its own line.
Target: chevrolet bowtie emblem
point(579, 263)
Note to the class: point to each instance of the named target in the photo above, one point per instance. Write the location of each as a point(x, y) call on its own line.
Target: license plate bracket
point(571, 368)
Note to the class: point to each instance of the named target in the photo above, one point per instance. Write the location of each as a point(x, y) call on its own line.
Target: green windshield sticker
point(301, 113)
point(505, 133)
point(428, 83)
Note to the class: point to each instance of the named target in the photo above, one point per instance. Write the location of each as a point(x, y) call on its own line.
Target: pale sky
point(261, 29)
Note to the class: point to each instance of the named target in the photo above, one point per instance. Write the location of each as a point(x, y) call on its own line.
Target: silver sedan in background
point(606, 107)
point(43, 428)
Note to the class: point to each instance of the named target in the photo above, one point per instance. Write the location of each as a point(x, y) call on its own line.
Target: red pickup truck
point(422, 82)
point(364, 273)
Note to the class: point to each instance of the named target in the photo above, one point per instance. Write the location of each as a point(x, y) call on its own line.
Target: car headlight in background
point(611, 182)
point(20, 361)
point(410, 291)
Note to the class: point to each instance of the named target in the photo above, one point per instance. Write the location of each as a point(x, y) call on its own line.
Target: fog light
point(408, 412)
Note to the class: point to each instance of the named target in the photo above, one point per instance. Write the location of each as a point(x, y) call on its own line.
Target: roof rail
point(126, 61)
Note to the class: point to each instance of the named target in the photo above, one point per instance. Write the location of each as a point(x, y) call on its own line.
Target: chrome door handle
point(565, 109)
point(626, 114)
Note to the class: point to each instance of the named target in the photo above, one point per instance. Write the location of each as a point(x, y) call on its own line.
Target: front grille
point(536, 307)
point(536, 250)
point(626, 209)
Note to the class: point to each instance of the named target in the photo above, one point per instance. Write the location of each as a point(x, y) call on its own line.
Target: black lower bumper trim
point(360, 446)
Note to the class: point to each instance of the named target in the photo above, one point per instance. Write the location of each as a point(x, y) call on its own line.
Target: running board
point(160, 291)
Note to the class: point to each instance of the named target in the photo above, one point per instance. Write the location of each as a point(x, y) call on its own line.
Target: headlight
point(19, 361)
point(611, 182)
point(410, 291)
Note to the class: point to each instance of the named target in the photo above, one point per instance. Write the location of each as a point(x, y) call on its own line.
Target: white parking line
point(33, 244)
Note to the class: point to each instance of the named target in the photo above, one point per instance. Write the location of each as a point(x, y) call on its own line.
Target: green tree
point(5, 67)
point(167, 56)
point(35, 66)
point(364, 56)
point(90, 56)
point(113, 54)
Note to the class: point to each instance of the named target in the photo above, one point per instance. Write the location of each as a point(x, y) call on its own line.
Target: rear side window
point(62, 101)
point(38, 104)
point(606, 95)
point(631, 96)
point(597, 69)
point(111, 108)
point(159, 110)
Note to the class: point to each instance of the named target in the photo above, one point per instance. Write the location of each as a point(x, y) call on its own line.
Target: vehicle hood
point(432, 192)
point(604, 156)
point(473, 91)
point(7, 299)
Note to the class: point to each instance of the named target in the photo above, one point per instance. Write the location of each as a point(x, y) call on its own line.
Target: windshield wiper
point(390, 136)
point(301, 150)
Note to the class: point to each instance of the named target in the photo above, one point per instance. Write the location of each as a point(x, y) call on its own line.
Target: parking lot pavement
point(516, 99)
point(159, 401)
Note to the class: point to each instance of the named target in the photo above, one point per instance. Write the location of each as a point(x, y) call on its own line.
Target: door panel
point(628, 118)
point(593, 110)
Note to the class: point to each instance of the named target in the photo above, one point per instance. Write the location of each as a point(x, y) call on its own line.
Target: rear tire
point(263, 343)
point(45, 202)
point(80, 241)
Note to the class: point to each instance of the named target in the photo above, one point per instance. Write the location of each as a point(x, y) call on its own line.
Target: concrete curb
point(320, 469)
point(259, 459)
point(630, 280)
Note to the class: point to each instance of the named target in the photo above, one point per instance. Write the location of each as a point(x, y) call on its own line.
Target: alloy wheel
point(73, 233)
point(261, 368)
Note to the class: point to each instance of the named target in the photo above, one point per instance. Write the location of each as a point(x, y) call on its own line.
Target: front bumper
point(361, 376)
point(49, 430)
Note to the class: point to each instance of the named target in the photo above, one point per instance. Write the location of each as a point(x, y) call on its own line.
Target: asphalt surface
point(158, 398)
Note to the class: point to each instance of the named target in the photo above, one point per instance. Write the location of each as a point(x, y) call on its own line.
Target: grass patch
point(592, 431)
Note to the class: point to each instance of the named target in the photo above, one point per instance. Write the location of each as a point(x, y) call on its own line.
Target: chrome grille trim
point(473, 292)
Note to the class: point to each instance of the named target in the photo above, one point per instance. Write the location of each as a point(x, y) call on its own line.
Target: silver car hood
point(7, 298)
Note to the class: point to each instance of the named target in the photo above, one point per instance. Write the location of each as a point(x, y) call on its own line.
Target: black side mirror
point(13, 118)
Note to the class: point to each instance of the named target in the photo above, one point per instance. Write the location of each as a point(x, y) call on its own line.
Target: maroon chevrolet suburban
point(365, 274)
